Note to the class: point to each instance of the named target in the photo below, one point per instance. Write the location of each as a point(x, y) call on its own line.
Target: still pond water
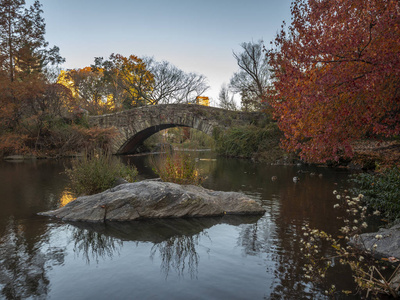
point(205, 258)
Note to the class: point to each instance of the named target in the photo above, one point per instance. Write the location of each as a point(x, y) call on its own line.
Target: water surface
point(233, 257)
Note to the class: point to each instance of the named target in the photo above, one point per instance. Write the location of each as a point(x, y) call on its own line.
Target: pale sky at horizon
point(196, 36)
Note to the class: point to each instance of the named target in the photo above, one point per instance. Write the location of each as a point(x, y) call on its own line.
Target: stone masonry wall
point(137, 124)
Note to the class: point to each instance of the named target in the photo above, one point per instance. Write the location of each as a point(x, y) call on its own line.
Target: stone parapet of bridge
point(136, 125)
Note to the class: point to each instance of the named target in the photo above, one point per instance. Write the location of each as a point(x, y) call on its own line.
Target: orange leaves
point(337, 71)
point(129, 79)
point(12, 143)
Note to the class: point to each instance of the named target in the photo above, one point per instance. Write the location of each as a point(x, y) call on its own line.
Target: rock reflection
point(175, 240)
point(24, 261)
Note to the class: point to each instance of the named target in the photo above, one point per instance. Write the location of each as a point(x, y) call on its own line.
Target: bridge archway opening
point(136, 143)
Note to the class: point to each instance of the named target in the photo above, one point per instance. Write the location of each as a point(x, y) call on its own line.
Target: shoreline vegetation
point(260, 143)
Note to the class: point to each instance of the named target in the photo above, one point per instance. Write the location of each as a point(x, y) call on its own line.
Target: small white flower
point(378, 236)
point(336, 206)
point(377, 213)
point(335, 192)
point(338, 197)
point(375, 246)
point(364, 225)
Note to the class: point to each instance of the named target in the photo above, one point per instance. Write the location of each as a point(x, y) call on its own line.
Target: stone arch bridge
point(137, 124)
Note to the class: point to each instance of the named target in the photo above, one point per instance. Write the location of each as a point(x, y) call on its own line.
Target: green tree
point(23, 48)
point(23, 58)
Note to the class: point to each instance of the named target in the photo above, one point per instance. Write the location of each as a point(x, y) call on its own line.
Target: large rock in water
point(155, 199)
point(387, 241)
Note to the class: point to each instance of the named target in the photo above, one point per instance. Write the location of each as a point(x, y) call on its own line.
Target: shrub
point(381, 190)
point(250, 141)
point(11, 143)
point(98, 172)
point(54, 137)
point(177, 167)
point(75, 138)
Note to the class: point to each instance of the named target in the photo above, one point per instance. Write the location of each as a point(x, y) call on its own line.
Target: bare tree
point(253, 78)
point(226, 101)
point(172, 85)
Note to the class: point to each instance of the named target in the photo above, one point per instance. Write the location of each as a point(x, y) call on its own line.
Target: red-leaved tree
point(337, 75)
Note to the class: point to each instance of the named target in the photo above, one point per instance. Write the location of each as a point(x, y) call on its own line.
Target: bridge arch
point(137, 124)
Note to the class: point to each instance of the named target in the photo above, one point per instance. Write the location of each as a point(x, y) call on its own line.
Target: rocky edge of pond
point(155, 199)
point(382, 244)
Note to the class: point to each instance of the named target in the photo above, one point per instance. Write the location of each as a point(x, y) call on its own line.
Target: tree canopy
point(173, 85)
point(336, 72)
point(24, 55)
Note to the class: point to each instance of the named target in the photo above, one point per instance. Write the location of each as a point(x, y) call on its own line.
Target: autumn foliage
point(337, 75)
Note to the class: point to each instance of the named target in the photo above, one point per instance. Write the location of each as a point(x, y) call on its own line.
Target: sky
point(196, 36)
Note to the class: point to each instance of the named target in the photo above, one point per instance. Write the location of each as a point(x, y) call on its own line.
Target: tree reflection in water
point(179, 253)
point(95, 245)
point(176, 241)
point(280, 247)
point(24, 261)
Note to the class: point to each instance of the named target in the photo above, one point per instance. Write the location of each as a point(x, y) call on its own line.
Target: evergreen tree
point(23, 48)
point(24, 55)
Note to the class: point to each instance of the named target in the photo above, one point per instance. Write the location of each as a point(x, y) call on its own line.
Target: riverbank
point(372, 154)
